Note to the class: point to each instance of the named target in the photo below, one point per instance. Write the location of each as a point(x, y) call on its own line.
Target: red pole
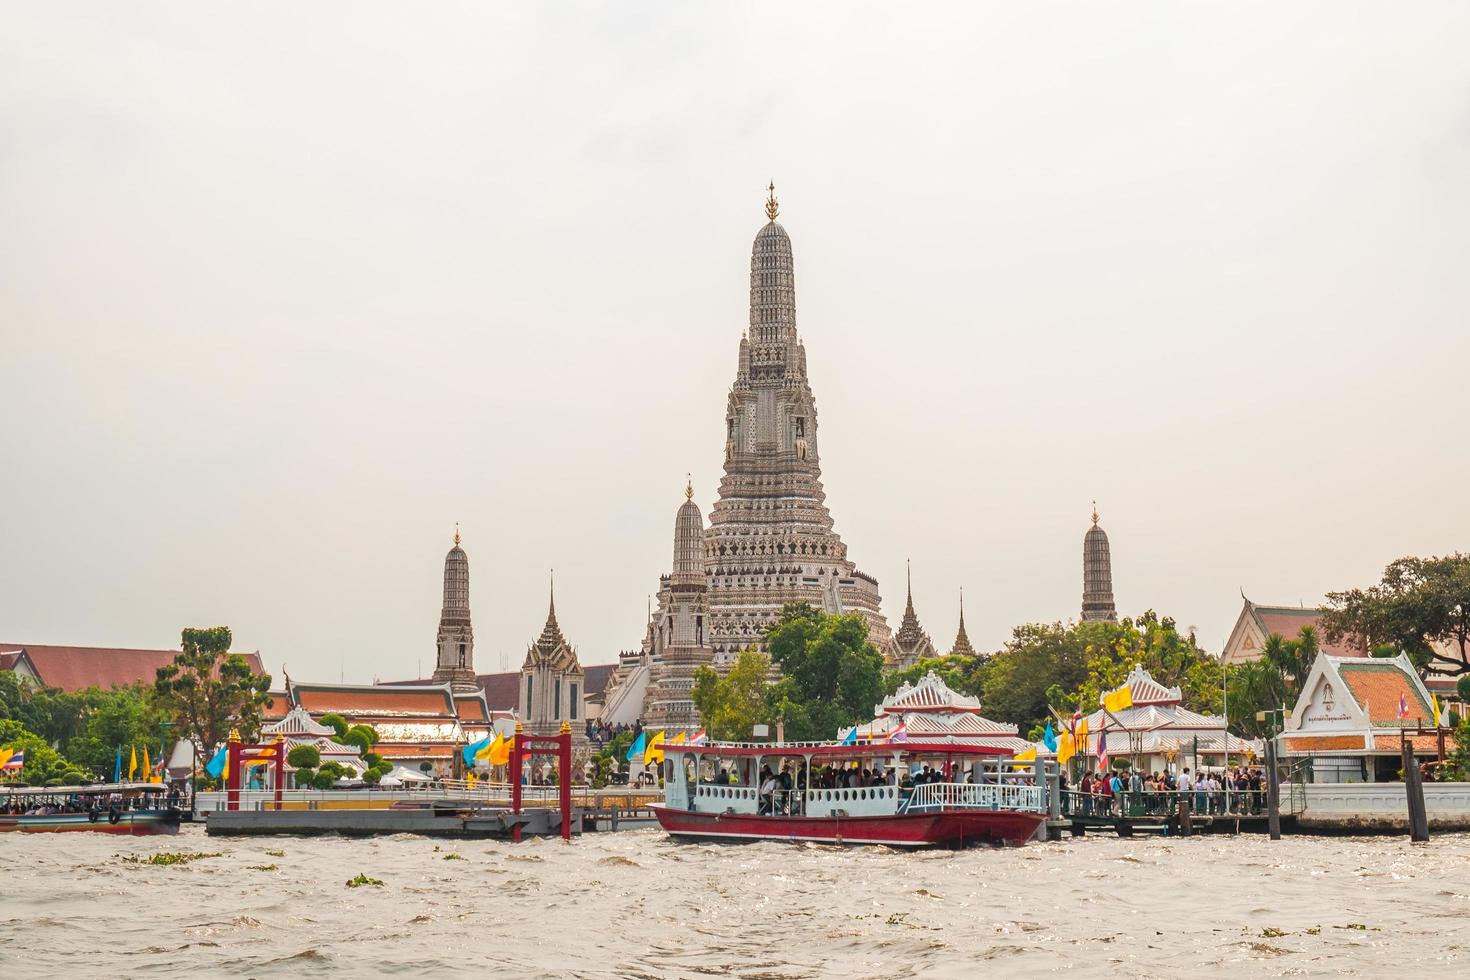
point(232, 772)
point(564, 763)
point(280, 769)
point(515, 781)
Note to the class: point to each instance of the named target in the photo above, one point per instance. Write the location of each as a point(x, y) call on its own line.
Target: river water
point(633, 904)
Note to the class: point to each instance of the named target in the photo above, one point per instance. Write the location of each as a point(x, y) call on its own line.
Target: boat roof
point(95, 789)
point(945, 745)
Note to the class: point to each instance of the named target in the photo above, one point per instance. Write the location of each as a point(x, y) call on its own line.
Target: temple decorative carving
point(910, 644)
point(455, 659)
point(770, 539)
point(962, 645)
point(1097, 575)
point(553, 686)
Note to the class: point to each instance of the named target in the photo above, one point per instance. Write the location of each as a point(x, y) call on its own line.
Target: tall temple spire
point(680, 634)
point(962, 645)
point(771, 538)
point(910, 643)
point(455, 642)
point(1097, 574)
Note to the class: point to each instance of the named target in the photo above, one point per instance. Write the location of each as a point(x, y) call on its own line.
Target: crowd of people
point(1238, 789)
point(600, 734)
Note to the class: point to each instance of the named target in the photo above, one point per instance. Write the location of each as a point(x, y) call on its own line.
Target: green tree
point(123, 717)
point(730, 705)
point(831, 675)
point(1039, 665)
point(960, 673)
point(304, 757)
point(44, 766)
point(337, 723)
point(1420, 604)
point(207, 691)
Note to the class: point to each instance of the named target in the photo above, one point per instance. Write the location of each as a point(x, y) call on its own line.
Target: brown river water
point(633, 904)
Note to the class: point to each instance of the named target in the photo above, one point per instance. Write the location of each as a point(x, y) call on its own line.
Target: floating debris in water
point(170, 858)
point(363, 879)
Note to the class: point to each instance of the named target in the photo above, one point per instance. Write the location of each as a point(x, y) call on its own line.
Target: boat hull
point(136, 823)
point(941, 828)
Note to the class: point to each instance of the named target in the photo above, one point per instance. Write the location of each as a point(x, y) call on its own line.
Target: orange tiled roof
point(414, 750)
point(1422, 743)
point(74, 668)
point(470, 707)
point(366, 702)
point(1322, 743)
point(278, 708)
point(1378, 685)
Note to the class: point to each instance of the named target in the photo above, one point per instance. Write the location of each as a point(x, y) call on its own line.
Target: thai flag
point(700, 738)
point(1403, 707)
point(16, 761)
point(1102, 750)
point(899, 734)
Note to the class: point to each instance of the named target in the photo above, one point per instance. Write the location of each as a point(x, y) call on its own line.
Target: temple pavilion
point(932, 712)
point(299, 728)
point(1353, 715)
point(1157, 733)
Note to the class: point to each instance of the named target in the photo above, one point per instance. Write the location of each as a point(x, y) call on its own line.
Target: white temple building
point(931, 712)
point(1157, 733)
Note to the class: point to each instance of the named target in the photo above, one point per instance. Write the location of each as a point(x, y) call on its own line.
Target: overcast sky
point(287, 290)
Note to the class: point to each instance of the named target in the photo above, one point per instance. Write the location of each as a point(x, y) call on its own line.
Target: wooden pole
point(1273, 791)
point(1414, 790)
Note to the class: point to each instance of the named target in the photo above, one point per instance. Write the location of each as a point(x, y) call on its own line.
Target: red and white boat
point(111, 808)
point(719, 792)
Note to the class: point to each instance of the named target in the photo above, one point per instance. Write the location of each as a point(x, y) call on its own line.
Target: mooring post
point(564, 777)
point(515, 781)
point(1414, 790)
point(1273, 791)
point(1186, 825)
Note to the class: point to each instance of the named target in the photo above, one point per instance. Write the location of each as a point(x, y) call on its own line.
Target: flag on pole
point(699, 738)
point(679, 739)
point(1066, 748)
point(1049, 738)
point(1076, 720)
point(473, 749)
point(500, 750)
point(1434, 701)
point(15, 759)
point(5, 755)
point(133, 763)
point(1025, 755)
point(216, 765)
point(899, 734)
point(653, 754)
point(117, 767)
point(1118, 700)
point(851, 737)
point(635, 751)
point(1403, 707)
point(1102, 750)
point(147, 765)
point(483, 755)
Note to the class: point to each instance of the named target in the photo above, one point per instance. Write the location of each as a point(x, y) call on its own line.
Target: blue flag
point(216, 765)
point(635, 751)
point(851, 737)
point(117, 767)
point(1048, 738)
point(473, 749)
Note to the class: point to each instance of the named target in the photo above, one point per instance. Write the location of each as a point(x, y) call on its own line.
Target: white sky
point(286, 290)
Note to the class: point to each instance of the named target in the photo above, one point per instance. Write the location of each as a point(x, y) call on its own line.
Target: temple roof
point(962, 645)
point(551, 645)
point(365, 702)
point(74, 668)
point(930, 694)
point(298, 723)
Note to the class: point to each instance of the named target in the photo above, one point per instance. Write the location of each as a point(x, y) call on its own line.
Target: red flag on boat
point(699, 738)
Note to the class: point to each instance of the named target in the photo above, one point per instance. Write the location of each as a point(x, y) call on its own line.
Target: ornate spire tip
point(456, 532)
point(773, 207)
point(688, 487)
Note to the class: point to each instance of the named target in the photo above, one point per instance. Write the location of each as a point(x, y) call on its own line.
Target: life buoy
point(92, 815)
point(113, 816)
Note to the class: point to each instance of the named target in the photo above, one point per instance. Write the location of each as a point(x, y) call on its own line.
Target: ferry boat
point(963, 794)
point(109, 808)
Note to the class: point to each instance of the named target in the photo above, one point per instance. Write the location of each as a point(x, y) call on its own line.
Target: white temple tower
point(455, 659)
point(771, 539)
point(553, 686)
point(679, 630)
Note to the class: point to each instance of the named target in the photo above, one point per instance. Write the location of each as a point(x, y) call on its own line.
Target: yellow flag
point(500, 749)
point(1119, 699)
point(5, 755)
point(147, 765)
point(1029, 755)
point(1066, 748)
point(133, 762)
point(679, 739)
point(1434, 698)
point(1082, 732)
point(653, 753)
point(485, 753)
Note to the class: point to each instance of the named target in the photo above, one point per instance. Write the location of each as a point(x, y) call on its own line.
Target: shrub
point(335, 722)
point(304, 778)
point(304, 757)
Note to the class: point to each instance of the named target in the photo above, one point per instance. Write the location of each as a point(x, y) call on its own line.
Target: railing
point(1161, 803)
point(975, 796)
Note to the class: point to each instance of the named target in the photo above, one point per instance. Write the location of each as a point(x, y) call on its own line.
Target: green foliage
point(44, 766)
point(88, 725)
point(170, 858)
point(323, 780)
point(304, 777)
point(730, 705)
point(965, 675)
point(363, 879)
point(372, 759)
point(304, 757)
point(336, 723)
point(1419, 603)
point(1462, 687)
point(372, 776)
point(207, 691)
point(1459, 758)
point(363, 737)
point(831, 675)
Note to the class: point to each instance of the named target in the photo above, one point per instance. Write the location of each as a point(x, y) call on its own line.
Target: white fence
point(976, 796)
